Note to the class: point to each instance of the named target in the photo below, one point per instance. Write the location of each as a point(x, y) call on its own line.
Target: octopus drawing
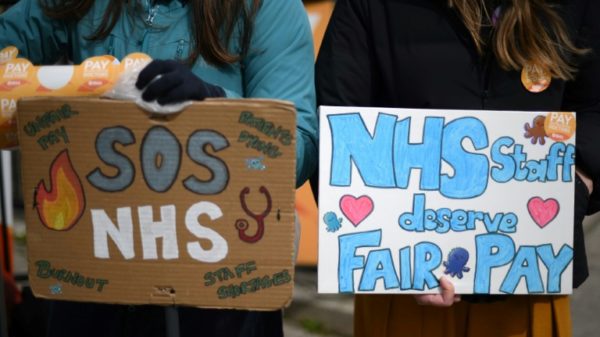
point(536, 132)
point(332, 221)
point(255, 164)
point(457, 259)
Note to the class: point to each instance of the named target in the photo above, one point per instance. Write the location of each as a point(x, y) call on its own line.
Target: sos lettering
point(161, 154)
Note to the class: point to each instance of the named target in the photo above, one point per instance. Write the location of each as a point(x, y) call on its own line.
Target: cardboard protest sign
point(192, 209)
point(482, 197)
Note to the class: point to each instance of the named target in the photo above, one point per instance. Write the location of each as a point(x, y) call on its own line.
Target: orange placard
point(19, 78)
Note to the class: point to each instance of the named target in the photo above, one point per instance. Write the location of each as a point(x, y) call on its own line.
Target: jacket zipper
point(111, 46)
point(152, 10)
point(179, 52)
point(486, 73)
point(487, 66)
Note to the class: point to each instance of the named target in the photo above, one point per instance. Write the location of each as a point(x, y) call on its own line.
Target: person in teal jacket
point(231, 48)
point(277, 62)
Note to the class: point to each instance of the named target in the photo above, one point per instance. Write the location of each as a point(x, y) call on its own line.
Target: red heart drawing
point(542, 211)
point(356, 209)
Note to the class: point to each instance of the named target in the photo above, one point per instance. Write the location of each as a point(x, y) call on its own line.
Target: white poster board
point(483, 197)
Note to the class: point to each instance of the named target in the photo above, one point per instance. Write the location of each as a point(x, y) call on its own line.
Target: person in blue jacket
point(209, 48)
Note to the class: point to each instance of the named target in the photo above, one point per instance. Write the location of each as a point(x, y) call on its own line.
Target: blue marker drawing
point(56, 289)
point(332, 221)
point(457, 259)
point(256, 163)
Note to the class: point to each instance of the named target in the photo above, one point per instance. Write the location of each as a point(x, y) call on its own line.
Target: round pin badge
point(560, 126)
point(535, 78)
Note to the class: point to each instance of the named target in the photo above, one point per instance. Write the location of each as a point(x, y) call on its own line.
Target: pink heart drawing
point(356, 209)
point(542, 211)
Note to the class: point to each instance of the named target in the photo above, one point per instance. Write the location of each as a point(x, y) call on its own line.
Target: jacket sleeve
point(583, 96)
point(280, 65)
point(343, 68)
point(37, 37)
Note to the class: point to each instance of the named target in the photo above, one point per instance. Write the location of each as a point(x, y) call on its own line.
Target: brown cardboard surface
point(66, 262)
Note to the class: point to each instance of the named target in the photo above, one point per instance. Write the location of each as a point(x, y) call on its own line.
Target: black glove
point(177, 83)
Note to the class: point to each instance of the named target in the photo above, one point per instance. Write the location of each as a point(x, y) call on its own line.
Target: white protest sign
point(483, 197)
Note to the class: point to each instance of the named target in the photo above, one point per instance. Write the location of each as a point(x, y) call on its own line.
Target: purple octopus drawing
point(456, 264)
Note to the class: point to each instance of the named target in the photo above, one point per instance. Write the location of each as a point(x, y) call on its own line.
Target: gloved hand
point(176, 84)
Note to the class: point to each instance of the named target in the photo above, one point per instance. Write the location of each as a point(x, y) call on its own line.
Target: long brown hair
point(528, 32)
point(213, 24)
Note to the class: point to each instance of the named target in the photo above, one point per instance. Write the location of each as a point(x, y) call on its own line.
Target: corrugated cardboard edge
point(250, 102)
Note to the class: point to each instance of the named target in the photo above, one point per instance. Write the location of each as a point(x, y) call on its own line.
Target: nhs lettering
point(386, 158)
point(418, 194)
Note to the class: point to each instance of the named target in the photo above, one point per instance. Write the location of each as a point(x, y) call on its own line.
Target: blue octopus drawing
point(332, 221)
point(56, 289)
point(457, 259)
point(255, 163)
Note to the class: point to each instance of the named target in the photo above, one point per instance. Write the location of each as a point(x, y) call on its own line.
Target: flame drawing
point(60, 207)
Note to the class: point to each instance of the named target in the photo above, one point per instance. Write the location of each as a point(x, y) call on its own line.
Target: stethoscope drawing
point(242, 225)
